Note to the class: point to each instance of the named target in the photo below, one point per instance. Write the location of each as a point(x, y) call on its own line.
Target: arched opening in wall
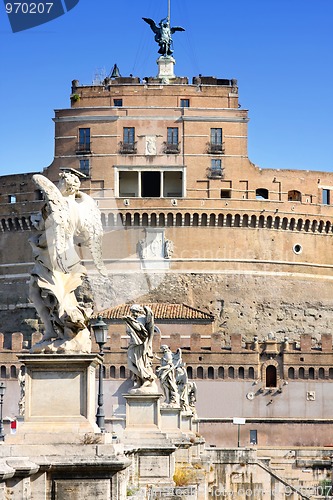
point(187, 219)
point(229, 220)
point(112, 371)
point(314, 226)
point(321, 373)
point(220, 220)
point(241, 372)
point(136, 219)
point(299, 225)
point(10, 224)
point(261, 222)
point(294, 195)
point(284, 224)
point(237, 220)
point(145, 220)
point(122, 372)
point(210, 373)
point(277, 222)
point(195, 220)
point(327, 226)
point(119, 220)
point(301, 373)
point(262, 194)
point(153, 220)
point(212, 220)
point(220, 372)
point(104, 371)
point(307, 225)
point(292, 224)
point(111, 220)
point(251, 373)
point(13, 372)
point(3, 372)
point(204, 219)
point(330, 373)
point(245, 221)
point(321, 226)
point(161, 220)
point(170, 219)
point(103, 219)
point(26, 223)
point(17, 224)
point(179, 221)
point(311, 374)
point(271, 376)
point(200, 372)
point(291, 373)
point(22, 369)
point(253, 222)
point(269, 222)
point(128, 219)
point(189, 370)
point(3, 223)
point(231, 372)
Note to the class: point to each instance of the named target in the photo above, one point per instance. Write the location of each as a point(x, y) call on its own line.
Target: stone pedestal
point(60, 397)
point(166, 65)
point(152, 451)
point(170, 420)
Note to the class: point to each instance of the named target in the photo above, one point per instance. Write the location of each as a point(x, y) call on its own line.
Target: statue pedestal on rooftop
point(166, 68)
point(60, 397)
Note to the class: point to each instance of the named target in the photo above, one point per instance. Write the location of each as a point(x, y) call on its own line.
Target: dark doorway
point(270, 376)
point(151, 185)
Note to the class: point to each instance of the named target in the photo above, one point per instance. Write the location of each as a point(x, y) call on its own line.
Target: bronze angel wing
point(151, 24)
point(176, 28)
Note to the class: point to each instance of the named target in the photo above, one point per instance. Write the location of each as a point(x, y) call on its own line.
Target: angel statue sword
point(69, 217)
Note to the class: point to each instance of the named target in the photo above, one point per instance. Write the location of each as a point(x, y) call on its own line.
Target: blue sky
point(279, 50)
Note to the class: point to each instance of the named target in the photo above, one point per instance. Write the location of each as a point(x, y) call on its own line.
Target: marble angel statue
point(140, 329)
point(68, 218)
point(167, 375)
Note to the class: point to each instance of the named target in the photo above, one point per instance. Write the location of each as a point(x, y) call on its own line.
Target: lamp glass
point(2, 388)
point(100, 331)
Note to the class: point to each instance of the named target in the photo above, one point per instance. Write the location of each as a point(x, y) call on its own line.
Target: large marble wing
point(58, 217)
point(177, 358)
point(91, 229)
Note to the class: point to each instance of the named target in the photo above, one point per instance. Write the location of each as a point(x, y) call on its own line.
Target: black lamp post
point(2, 393)
point(100, 330)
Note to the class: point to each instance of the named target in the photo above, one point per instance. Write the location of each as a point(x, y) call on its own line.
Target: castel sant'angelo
point(236, 260)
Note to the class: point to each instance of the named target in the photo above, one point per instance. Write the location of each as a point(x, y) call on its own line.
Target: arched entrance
point(271, 376)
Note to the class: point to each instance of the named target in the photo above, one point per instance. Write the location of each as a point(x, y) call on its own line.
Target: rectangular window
point(184, 103)
point(129, 134)
point(85, 167)
point(172, 135)
point(225, 193)
point(326, 197)
point(11, 198)
point(84, 136)
point(216, 136)
point(215, 168)
point(118, 102)
point(253, 437)
point(84, 141)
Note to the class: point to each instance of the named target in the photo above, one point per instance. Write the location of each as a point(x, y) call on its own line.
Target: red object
point(13, 425)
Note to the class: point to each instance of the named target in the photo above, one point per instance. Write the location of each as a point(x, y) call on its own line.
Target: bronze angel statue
point(163, 34)
point(68, 218)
